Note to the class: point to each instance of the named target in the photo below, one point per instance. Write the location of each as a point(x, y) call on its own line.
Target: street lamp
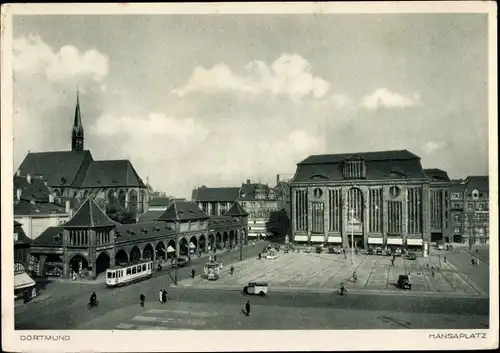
point(351, 211)
point(241, 245)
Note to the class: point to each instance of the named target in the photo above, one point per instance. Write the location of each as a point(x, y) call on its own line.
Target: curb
point(34, 301)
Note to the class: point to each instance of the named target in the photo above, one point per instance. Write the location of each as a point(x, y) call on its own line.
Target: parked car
point(404, 282)
point(397, 252)
point(379, 251)
point(370, 251)
point(412, 256)
point(334, 250)
point(319, 249)
point(180, 262)
point(308, 250)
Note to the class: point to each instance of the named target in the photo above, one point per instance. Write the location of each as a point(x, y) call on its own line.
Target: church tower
point(77, 135)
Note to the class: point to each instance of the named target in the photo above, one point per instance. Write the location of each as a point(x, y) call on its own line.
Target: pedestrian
point(433, 271)
point(215, 257)
point(193, 272)
point(160, 296)
point(164, 295)
point(444, 258)
point(356, 251)
point(231, 270)
point(142, 298)
point(472, 262)
point(247, 308)
point(477, 261)
point(392, 262)
point(260, 256)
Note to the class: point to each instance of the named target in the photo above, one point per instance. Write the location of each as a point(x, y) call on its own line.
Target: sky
point(215, 100)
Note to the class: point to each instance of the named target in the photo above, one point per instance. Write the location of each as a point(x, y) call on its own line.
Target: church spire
point(77, 134)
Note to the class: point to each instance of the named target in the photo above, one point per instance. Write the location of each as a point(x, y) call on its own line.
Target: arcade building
point(379, 199)
point(90, 242)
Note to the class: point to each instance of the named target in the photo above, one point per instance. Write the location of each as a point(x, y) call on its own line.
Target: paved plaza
point(324, 272)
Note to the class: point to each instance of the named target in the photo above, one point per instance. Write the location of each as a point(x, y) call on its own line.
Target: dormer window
point(354, 169)
point(475, 194)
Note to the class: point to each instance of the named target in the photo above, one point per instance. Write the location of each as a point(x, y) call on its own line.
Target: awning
point(394, 241)
point(300, 238)
point(317, 238)
point(334, 240)
point(375, 241)
point(170, 249)
point(23, 280)
point(417, 241)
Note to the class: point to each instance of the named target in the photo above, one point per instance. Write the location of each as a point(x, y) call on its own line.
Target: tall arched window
point(355, 204)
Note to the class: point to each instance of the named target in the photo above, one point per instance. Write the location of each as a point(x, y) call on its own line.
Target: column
point(385, 213)
point(65, 259)
point(404, 190)
point(326, 210)
point(293, 213)
point(366, 215)
point(309, 197)
point(426, 222)
point(343, 216)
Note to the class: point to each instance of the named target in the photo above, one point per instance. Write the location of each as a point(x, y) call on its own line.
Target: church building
point(75, 173)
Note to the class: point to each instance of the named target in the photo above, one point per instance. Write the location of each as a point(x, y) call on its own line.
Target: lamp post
point(241, 245)
point(351, 211)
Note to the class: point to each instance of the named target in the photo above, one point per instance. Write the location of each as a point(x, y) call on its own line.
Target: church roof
point(236, 210)
point(206, 194)
point(111, 173)
point(58, 168)
point(380, 165)
point(89, 215)
point(37, 209)
point(182, 211)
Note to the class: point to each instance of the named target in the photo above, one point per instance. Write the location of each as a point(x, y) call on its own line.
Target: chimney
point(18, 173)
point(28, 178)
point(51, 198)
point(68, 207)
point(277, 179)
point(248, 181)
point(18, 194)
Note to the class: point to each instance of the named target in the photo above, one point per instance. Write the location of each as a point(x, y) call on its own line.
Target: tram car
point(125, 274)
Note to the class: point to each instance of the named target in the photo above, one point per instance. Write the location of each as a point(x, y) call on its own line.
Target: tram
point(125, 274)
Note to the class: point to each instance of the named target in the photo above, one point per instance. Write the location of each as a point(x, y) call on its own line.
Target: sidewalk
point(42, 297)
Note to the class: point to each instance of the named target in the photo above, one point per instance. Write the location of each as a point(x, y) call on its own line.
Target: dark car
point(412, 256)
point(319, 249)
point(180, 262)
point(333, 250)
point(370, 251)
point(404, 282)
point(379, 251)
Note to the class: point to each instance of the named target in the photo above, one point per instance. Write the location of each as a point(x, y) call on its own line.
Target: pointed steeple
point(77, 134)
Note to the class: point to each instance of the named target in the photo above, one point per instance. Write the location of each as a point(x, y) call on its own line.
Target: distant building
point(35, 206)
point(457, 215)
point(266, 216)
point(476, 212)
point(156, 207)
point(75, 173)
point(378, 198)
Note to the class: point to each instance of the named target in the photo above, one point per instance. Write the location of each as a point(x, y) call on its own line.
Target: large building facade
point(75, 173)
point(371, 199)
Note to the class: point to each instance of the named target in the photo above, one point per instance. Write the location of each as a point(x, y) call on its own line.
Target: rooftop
point(182, 211)
point(89, 215)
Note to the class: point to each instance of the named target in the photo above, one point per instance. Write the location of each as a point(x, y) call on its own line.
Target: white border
point(123, 341)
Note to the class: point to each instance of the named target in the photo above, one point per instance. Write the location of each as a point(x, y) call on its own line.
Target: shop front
point(300, 238)
point(317, 239)
point(334, 240)
point(394, 242)
point(375, 242)
point(415, 244)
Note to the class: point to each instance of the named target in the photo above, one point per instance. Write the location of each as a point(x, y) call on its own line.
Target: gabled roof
point(236, 210)
point(89, 215)
point(150, 216)
point(38, 209)
point(478, 182)
point(206, 194)
point(367, 156)
point(111, 173)
point(437, 174)
point(249, 190)
point(22, 239)
point(182, 211)
point(35, 190)
point(162, 201)
point(59, 168)
point(52, 236)
point(388, 165)
point(221, 221)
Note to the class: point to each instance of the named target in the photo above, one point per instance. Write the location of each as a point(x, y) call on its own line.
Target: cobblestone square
point(326, 271)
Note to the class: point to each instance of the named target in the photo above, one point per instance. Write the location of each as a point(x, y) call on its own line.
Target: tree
point(121, 215)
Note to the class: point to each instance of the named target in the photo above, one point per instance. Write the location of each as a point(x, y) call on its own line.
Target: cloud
point(432, 146)
point(290, 75)
point(384, 99)
point(32, 56)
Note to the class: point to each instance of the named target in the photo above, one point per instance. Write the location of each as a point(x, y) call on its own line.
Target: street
point(196, 308)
